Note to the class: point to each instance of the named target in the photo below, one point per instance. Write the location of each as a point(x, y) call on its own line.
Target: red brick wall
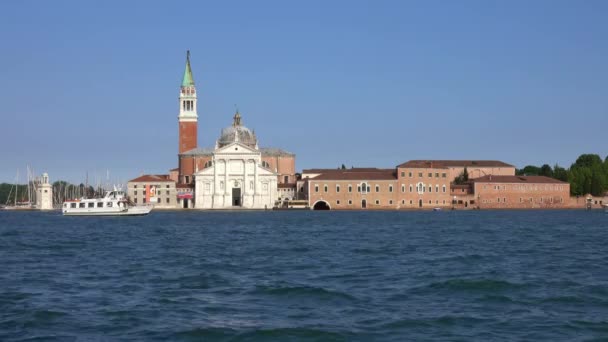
point(187, 136)
point(522, 195)
point(284, 166)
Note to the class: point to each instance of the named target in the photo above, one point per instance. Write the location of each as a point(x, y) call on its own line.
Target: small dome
point(237, 133)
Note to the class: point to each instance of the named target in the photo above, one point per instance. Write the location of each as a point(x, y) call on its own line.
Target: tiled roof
point(377, 174)
point(199, 151)
point(443, 164)
point(517, 179)
point(355, 169)
point(266, 151)
point(152, 178)
point(272, 151)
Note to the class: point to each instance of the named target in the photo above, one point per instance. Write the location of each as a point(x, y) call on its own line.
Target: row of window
point(88, 205)
point(521, 200)
point(421, 174)
point(364, 188)
point(158, 192)
point(529, 187)
point(390, 202)
point(155, 185)
point(158, 200)
point(188, 105)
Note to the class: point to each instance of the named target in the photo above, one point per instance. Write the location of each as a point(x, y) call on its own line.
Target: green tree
point(546, 171)
point(588, 160)
point(528, 170)
point(560, 173)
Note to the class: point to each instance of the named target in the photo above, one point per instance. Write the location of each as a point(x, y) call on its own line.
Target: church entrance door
point(236, 197)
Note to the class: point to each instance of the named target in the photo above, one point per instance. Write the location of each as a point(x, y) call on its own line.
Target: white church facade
point(235, 176)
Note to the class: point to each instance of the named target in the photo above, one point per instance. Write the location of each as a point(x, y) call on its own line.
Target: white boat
point(114, 203)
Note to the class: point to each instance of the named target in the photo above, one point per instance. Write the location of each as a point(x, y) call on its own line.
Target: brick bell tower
point(187, 118)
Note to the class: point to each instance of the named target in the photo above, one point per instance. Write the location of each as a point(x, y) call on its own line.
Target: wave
point(272, 334)
point(304, 291)
point(482, 285)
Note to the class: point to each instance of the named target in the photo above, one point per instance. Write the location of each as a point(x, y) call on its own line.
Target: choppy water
point(326, 276)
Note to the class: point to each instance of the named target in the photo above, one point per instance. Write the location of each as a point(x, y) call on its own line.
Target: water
point(305, 276)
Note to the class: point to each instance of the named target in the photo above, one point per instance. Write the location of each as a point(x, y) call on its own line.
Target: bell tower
point(188, 117)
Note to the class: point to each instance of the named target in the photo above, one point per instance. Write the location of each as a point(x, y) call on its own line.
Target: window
point(443, 175)
point(390, 188)
point(286, 179)
point(91, 205)
point(135, 193)
point(402, 201)
point(402, 173)
point(364, 187)
point(358, 188)
point(520, 200)
point(143, 201)
point(430, 174)
point(411, 202)
point(187, 179)
point(100, 204)
point(265, 164)
point(402, 188)
point(134, 200)
point(368, 188)
point(504, 200)
point(390, 202)
point(436, 174)
point(167, 186)
point(350, 202)
point(436, 188)
point(338, 202)
point(378, 202)
point(410, 174)
point(377, 188)
point(498, 200)
point(109, 204)
point(419, 174)
point(167, 192)
point(135, 186)
point(430, 188)
point(81, 205)
point(325, 187)
point(443, 188)
point(411, 188)
point(316, 188)
point(337, 188)
point(350, 188)
point(73, 205)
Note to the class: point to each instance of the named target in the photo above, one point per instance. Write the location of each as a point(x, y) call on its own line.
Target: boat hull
point(134, 211)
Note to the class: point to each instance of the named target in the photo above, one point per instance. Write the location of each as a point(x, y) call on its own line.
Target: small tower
point(44, 195)
point(188, 117)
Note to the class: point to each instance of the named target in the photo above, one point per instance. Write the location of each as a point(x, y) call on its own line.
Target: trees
point(587, 175)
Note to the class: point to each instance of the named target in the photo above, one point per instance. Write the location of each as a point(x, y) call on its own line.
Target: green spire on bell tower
point(188, 80)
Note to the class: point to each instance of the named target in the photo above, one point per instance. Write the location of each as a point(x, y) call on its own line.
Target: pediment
point(236, 148)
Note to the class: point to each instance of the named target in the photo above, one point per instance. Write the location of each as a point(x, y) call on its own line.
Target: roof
point(443, 164)
point(184, 186)
point(354, 169)
point(176, 169)
point(354, 174)
point(151, 178)
point(188, 80)
point(275, 152)
point(517, 179)
point(286, 185)
point(199, 151)
point(266, 151)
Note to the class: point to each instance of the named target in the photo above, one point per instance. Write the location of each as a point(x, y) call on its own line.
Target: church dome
point(237, 133)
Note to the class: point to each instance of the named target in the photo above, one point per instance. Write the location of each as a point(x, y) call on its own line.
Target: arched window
point(265, 164)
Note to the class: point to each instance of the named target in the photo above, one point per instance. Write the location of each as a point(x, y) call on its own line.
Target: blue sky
point(92, 86)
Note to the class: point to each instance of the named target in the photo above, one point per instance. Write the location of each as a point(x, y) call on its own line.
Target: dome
point(237, 133)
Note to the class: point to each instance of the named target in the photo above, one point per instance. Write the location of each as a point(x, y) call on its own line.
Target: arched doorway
point(363, 204)
point(420, 203)
point(321, 205)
